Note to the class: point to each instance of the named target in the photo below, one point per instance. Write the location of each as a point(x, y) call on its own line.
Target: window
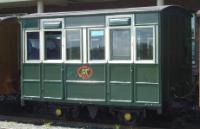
point(33, 46)
point(53, 40)
point(145, 44)
point(120, 38)
point(73, 41)
point(52, 33)
point(194, 51)
point(120, 44)
point(97, 45)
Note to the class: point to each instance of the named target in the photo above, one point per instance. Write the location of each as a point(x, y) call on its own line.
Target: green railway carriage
point(132, 58)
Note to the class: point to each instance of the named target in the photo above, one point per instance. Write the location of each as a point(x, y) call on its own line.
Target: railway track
point(26, 120)
point(19, 117)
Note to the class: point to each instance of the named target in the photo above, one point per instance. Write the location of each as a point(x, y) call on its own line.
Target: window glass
point(144, 43)
point(126, 21)
point(193, 51)
point(73, 45)
point(120, 42)
point(97, 45)
point(193, 39)
point(33, 49)
point(53, 41)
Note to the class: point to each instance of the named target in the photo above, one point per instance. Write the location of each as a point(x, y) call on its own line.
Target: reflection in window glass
point(33, 46)
point(193, 51)
point(193, 39)
point(144, 43)
point(73, 45)
point(120, 42)
point(97, 45)
point(53, 45)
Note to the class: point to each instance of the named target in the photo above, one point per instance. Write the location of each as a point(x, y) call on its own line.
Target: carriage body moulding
point(130, 58)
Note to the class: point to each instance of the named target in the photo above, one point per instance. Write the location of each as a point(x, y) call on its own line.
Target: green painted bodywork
point(121, 93)
point(31, 80)
point(109, 84)
point(52, 81)
point(30, 23)
point(149, 88)
point(147, 73)
point(75, 21)
point(147, 93)
point(99, 73)
point(120, 72)
point(126, 84)
point(88, 92)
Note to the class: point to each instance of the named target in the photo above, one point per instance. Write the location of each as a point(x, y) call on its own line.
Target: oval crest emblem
point(84, 72)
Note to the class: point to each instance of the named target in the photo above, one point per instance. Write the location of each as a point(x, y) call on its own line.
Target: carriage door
point(146, 81)
point(86, 79)
point(52, 36)
point(120, 58)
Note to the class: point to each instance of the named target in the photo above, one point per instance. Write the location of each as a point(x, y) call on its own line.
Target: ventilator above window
point(52, 24)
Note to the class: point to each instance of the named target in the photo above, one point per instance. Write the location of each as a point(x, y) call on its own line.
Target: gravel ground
point(25, 122)
point(49, 125)
point(18, 125)
point(14, 125)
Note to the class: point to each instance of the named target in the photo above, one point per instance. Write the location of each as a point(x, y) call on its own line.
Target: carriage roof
point(99, 11)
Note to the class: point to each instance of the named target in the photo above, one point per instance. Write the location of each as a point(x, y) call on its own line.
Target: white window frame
point(84, 46)
point(81, 46)
point(156, 44)
point(25, 47)
point(43, 30)
point(88, 37)
point(119, 27)
point(152, 61)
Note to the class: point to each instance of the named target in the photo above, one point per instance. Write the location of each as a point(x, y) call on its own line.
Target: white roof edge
point(13, 1)
point(99, 11)
point(10, 16)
